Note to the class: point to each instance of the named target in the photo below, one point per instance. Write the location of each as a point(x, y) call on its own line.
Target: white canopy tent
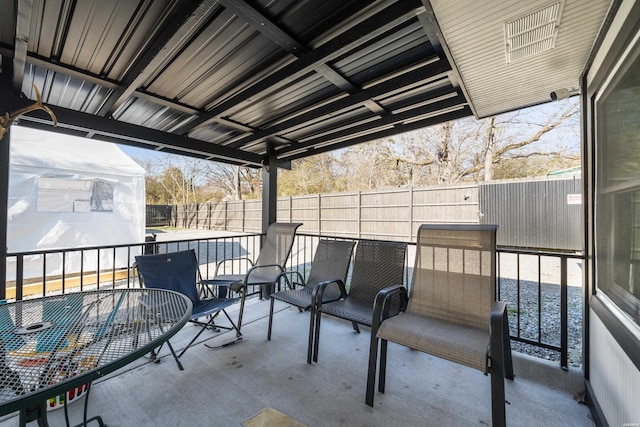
point(71, 192)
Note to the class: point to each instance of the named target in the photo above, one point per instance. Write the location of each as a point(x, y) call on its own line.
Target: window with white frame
point(617, 198)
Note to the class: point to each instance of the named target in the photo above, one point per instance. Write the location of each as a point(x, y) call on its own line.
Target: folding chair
point(267, 268)
point(330, 265)
point(178, 271)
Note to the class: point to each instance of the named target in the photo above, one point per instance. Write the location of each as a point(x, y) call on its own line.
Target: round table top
point(51, 345)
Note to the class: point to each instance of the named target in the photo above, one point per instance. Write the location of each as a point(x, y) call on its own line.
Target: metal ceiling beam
point(189, 16)
point(348, 40)
point(23, 23)
point(265, 26)
point(431, 71)
point(432, 29)
point(449, 116)
point(121, 131)
point(277, 35)
point(432, 109)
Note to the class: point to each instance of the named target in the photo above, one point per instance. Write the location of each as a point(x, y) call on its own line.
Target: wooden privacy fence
point(541, 214)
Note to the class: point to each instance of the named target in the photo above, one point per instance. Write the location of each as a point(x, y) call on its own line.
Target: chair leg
point(371, 374)
point(241, 309)
point(233, 326)
point(382, 376)
point(355, 327)
point(498, 414)
point(175, 356)
point(193, 339)
point(316, 340)
point(497, 371)
point(312, 315)
point(273, 300)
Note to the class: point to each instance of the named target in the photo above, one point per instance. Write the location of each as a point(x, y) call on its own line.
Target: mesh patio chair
point(376, 265)
point(450, 310)
point(268, 266)
point(178, 271)
point(329, 268)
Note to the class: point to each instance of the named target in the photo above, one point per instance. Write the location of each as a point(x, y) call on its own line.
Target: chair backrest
point(176, 271)
point(454, 278)
point(277, 246)
point(331, 261)
point(376, 265)
point(277, 243)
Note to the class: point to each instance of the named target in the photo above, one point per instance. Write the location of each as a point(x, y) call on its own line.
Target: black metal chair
point(376, 265)
point(330, 266)
point(450, 310)
point(178, 271)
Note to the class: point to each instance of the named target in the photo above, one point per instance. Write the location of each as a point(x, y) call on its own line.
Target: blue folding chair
point(178, 271)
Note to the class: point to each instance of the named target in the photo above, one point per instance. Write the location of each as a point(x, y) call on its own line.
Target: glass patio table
point(51, 348)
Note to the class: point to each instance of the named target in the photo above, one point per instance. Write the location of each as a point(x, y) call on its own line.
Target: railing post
point(564, 333)
point(226, 208)
point(19, 276)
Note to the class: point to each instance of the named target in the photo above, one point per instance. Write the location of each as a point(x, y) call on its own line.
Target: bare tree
point(468, 149)
point(233, 181)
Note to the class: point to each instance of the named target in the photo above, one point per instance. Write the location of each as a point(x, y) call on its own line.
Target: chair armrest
point(237, 287)
point(206, 286)
point(500, 345)
point(290, 281)
point(220, 263)
point(318, 291)
point(382, 305)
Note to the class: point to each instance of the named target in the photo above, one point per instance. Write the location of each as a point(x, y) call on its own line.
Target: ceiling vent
point(532, 33)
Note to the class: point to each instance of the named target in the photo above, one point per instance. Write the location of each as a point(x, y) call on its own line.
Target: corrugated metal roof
point(230, 80)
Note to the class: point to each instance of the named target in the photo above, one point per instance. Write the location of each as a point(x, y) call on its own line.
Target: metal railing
point(534, 284)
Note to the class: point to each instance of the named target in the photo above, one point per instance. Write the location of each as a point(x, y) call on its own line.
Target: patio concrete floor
point(224, 387)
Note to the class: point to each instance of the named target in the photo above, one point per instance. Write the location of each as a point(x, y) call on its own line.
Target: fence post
point(359, 214)
point(226, 208)
point(411, 213)
point(243, 214)
point(319, 209)
point(290, 208)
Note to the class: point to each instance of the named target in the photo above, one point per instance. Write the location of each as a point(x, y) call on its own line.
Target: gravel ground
point(549, 306)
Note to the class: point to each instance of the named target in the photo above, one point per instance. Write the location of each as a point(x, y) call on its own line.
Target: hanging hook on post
point(9, 118)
